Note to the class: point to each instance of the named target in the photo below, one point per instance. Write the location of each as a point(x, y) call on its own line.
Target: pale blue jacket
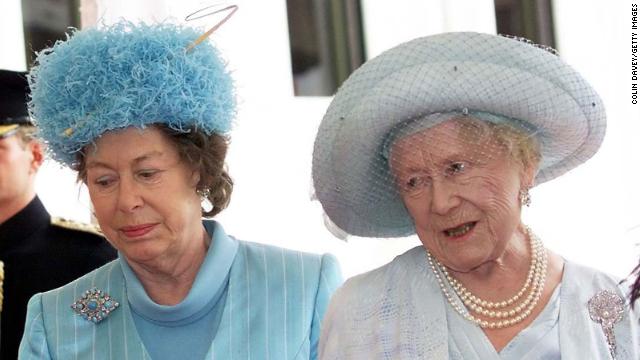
point(398, 312)
point(275, 302)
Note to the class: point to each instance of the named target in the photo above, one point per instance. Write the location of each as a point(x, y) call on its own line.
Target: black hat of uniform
point(14, 90)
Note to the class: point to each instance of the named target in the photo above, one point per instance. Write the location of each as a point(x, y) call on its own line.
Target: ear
point(528, 175)
point(36, 148)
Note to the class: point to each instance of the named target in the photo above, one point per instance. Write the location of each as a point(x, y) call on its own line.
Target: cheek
point(501, 207)
point(415, 207)
point(104, 219)
point(103, 206)
point(176, 206)
point(189, 205)
point(16, 165)
point(497, 193)
point(110, 235)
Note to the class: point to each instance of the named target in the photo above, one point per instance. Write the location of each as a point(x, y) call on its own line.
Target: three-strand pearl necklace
point(507, 312)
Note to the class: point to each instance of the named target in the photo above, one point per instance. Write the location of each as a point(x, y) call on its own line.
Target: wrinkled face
point(18, 166)
point(143, 194)
point(462, 193)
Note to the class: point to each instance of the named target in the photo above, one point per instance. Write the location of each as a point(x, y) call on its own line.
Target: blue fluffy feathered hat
point(128, 75)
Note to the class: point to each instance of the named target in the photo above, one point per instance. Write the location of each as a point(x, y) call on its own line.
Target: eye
point(414, 184)
point(104, 181)
point(148, 175)
point(455, 168)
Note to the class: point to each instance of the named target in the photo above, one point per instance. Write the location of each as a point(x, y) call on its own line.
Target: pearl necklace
point(518, 311)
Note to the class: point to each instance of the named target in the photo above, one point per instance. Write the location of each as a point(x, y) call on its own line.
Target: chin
point(142, 253)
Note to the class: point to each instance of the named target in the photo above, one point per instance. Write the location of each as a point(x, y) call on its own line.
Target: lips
point(460, 230)
point(134, 231)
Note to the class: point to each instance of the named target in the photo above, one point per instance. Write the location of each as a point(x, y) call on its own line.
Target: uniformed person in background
point(39, 252)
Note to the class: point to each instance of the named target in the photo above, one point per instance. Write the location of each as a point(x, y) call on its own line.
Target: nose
point(129, 196)
point(443, 196)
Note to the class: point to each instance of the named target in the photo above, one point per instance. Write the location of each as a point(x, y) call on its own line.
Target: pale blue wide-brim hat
point(506, 79)
point(128, 74)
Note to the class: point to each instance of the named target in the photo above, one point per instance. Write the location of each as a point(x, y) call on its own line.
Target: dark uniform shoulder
point(80, 230)
point(79, 240)
point(78, 245)
point(75, 225)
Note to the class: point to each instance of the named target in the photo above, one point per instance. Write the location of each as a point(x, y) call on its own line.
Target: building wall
point(589, 215)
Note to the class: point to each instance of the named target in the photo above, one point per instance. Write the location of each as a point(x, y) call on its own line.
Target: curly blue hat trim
point(128, 75)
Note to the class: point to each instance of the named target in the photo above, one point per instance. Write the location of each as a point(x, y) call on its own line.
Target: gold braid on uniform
point(75, 225)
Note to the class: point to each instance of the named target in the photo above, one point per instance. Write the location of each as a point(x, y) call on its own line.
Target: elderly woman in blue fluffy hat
point(443, 137)
point(143, 114)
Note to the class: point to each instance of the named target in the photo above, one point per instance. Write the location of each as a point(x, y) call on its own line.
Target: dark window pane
point(531, 19)
point(46, 21)
point(327, 43)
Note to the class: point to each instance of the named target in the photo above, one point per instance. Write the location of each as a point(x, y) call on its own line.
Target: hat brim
point(568, 122)
point(8, 130)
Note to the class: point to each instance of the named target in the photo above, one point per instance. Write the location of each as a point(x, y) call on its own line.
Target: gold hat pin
point(198, 15)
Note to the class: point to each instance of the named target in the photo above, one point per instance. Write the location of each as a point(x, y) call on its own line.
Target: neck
point(12, 206)
point(169, 281)
point(502, 276)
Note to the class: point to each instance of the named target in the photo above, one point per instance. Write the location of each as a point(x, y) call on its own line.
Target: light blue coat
point(276, 299)
point(398, 312)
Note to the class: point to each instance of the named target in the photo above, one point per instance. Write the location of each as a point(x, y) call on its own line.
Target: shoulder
point(76, 239)
point(587, 276)
point(76, 228)
point(279, 265)
point(77, 235)
point(378, 314)
point(277, 255)
point(382, 287)
point(60, 323)
point(387, 277)
point(582, 284)
point(104, 277)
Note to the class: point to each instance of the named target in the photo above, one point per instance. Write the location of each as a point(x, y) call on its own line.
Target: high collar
point(25, 222)
point(206, 289)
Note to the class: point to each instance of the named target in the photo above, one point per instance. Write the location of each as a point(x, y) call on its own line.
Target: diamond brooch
point(607, 308)
point(94, 305)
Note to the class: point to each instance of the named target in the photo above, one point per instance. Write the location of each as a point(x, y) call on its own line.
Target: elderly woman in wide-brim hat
point(142, 113)
point(443, 137)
